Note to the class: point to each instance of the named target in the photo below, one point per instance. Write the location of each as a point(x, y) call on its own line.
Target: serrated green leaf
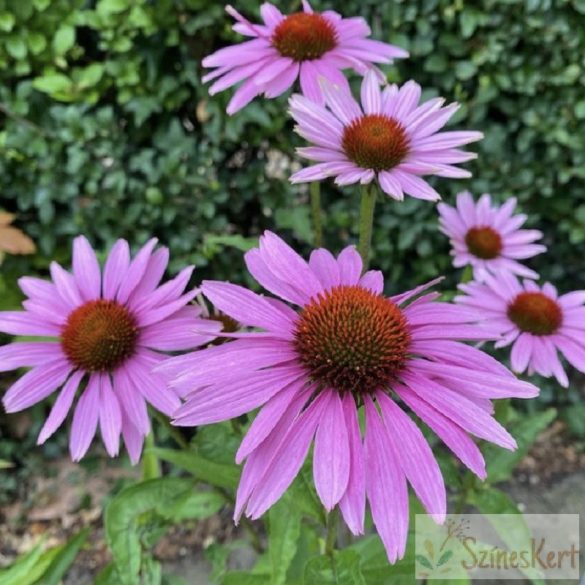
point(284, 528)
point(343, 568)
point(122, 516)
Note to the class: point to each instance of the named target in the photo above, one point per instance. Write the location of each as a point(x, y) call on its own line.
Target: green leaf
point(343, 568)
point(64, 559)
point(52, 83)
point(7, 21)
point(244, 578)
point(122, 519)
point(64, 39)
point(218, 474)
point(424, 562)
point(195, 505)
point(16, 47)
point(18, 573)
point(283, 536)
point(500, 462)
point(5, 464)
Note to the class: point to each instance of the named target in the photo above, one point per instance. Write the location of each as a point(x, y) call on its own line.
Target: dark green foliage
point(108, 131)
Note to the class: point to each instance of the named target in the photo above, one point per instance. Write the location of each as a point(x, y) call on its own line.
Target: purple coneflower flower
point(345, 345)
point(307, 44)
point(110, 331)
point(389, 138)
point(535, 320)
point(489, 237)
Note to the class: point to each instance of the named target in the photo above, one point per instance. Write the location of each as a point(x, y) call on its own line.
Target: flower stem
point(367, 206)
point(315, 194)
point(331, 538)
point(174, 432)
point(150, 464)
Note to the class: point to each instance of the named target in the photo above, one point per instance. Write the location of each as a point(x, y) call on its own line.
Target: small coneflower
point(390, 137)
point(305, 45)
point(536, 320)
point(108, 332)
point(344, 345)
point(489, 237)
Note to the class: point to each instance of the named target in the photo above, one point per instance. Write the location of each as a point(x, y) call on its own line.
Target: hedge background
point(107, 130)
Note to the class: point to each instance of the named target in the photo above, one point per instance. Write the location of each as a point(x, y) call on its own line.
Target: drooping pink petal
point(85, 419)
point(61, 407)
point(415, 458)
point(385, 485)
point(331, 458)
point(110, 417)
point(353, 502)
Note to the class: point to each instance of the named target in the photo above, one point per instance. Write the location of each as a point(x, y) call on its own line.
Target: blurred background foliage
point(106, 129)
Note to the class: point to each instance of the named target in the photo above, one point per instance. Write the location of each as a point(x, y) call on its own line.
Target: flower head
point(110, 329)
point(332, 343)
point(390, 137)
point(489, 237)
point(307, 45)
point(536, 320)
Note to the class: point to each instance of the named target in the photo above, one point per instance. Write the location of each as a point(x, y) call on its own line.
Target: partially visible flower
point(312, 367)
point(488, 237)
point(13, 240)
point(537, 321)
point(390, 138)
point(307, 45)
point(110, 329)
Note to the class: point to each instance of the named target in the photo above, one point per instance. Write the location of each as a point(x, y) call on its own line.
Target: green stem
point(150, 464)
point(173, 432)
point(331, 539)
point(315, 194)
point(367, 206)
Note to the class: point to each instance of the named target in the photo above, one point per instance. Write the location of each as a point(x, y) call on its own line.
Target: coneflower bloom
point(305, 45)
point(488, 237)
point(536, 320)
point(109, 332)
point(390, 137)
point(344, 345)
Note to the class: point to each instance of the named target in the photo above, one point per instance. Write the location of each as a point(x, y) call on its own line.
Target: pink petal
point(85, 419)
point(36, 385)
point(86, 269)
point(110, 417)
point(385, 486)
point(61, 407)
point(353, 502)
point(116, 268)
point(331, 458)
point(415, 457)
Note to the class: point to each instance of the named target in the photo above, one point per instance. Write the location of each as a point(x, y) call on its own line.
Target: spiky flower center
point(351, 339)
point(99, 336)
point(536, 313)
point(375, 141)
point(304, 37)
point(484, 242)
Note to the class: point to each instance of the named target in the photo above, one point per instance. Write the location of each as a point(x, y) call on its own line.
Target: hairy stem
point(331, 539)
point(367, 206)
point(150, 463)
point(315, 194)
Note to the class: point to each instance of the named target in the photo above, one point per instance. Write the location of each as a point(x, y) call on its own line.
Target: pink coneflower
point(109, 333)
point(535, 320)
point(489, 237)
point(389, 138)
point(312, 367)
point(307, 44)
